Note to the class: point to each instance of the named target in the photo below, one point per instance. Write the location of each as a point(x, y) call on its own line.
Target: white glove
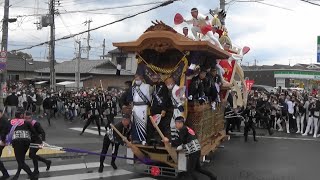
point(190, 97)
point(179, 148)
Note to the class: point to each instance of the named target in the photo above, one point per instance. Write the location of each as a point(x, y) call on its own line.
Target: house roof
point(16, 63)
point(304, 67)
point(86, 66)
point(115, 51)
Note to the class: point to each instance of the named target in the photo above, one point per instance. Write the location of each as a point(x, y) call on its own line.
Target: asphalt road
point(280, 157)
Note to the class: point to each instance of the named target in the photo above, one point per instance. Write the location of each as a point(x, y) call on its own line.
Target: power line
point(99, 27)
point(310, 2)
point(108, 8)
point(77, 3)
point(274, 6)
point(23, 7)
point(93, 11)
point(17, 3)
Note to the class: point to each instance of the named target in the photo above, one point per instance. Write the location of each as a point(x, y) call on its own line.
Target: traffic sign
point(3, 56)
point(3, 66)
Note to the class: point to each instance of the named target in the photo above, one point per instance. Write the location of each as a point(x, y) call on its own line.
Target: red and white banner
point(228, 67)
point(249, 84)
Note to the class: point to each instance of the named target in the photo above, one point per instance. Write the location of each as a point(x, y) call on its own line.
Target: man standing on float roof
point(202, 25)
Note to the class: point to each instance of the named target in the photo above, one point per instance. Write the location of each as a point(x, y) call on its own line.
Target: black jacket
point(12, 100)
point(126, 98)
point(197, 87)
point(185, 136)
point(110, 108)
point(123, 130)
point(27, 126)
point(160, 99)
point(40, 132)
point(39, 99)
point(4, 127)
point(47, 103)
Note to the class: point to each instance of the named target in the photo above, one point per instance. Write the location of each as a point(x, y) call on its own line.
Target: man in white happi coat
point(185, 32)
point(141, 93)
point(202, 25)
point(178, 100)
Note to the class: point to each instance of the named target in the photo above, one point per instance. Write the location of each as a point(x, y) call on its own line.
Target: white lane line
point(144, 178)
point(84, 176)
point(64, 167)
point(88, 131)
point(102, 128)
point(282, 138)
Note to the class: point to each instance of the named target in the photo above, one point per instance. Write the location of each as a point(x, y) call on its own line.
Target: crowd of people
point(290, 111)
point(69, 104)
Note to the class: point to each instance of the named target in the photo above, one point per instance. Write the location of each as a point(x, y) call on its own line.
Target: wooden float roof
point(161, 37)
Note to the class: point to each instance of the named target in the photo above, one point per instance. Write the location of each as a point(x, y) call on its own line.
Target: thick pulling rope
point(73, 150)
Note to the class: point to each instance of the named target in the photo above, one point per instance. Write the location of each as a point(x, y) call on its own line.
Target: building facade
point(300, 75)
point(127, 60)
point(19, 69)
point(93, 73)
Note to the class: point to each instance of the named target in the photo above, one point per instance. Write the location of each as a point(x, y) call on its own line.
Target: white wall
point(131, 62)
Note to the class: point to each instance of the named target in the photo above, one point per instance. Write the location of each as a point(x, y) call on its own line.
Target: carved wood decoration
point(158, 45)
point(160, 26)
point(161, 37)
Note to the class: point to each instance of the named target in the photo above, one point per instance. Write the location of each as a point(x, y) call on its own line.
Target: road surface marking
point(102, 128)
point(65, 167)
point(84, 176)
point(88, 131)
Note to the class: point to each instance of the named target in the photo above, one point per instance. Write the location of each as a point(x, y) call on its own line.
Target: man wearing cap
point(202, 25)
point(159, 106)
point(188, 142)
point(141, 93)
point(115, 140)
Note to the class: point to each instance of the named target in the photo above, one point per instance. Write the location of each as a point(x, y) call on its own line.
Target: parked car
point(263, 88)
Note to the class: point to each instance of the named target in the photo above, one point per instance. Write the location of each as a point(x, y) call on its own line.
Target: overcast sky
point(274, 35)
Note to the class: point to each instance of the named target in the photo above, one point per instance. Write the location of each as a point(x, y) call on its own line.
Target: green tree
point(24, 55)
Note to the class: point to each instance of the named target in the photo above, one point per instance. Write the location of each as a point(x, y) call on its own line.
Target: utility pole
point(4, 47)
point(52, 45)
point(223, 7)
point(88, 22)
point(77, 74)
point(104, 48)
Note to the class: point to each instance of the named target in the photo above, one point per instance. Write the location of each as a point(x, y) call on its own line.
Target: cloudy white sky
point(275, 35)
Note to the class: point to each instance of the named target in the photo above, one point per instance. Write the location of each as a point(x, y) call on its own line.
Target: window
point(122, 61)
point(13, 77)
